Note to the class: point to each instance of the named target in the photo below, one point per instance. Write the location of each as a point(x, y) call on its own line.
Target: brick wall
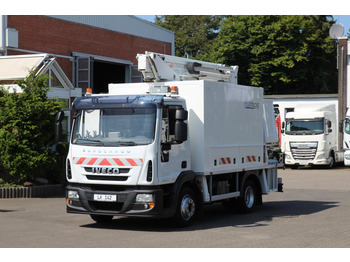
point(50, 35)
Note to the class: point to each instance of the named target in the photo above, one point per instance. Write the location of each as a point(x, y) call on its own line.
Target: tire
point(248, 198)
point(101, 218)
point(332, 163)
point(186, 209)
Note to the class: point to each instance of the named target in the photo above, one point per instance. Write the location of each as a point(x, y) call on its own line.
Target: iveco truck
point(166, 148)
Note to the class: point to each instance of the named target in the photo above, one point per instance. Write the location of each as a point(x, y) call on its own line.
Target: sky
point(340, 19)
point(147, 9)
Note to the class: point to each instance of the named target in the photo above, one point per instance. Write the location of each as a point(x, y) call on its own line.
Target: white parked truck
point(346, 139)
point(166, 148)
point(310, 136)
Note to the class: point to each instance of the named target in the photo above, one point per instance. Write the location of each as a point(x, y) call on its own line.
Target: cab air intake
point(149, 172)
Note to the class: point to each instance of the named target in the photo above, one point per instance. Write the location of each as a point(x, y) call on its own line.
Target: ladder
point(159, 68)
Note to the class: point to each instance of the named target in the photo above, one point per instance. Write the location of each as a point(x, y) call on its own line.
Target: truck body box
point(226, 125)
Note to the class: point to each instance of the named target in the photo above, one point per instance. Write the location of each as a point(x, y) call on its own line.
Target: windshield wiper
point(125, 143)
point(88, 140)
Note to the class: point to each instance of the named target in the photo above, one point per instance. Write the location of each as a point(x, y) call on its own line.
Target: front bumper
point(318, 160)
point(123, 205)
point(347, 158)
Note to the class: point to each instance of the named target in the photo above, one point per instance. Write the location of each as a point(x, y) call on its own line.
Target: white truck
point(168, 147)
point(346, 139)
point(310, 136)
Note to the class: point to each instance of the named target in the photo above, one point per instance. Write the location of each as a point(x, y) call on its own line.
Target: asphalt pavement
point(312, 212)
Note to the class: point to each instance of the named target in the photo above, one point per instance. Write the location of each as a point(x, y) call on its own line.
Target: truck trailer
point(167, 148)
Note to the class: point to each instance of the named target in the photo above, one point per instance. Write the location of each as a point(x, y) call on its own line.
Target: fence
point(31, 192)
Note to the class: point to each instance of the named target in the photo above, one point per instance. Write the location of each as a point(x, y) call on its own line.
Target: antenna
point(336, 31)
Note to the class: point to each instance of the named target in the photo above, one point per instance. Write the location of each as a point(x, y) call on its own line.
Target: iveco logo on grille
point(105, 170)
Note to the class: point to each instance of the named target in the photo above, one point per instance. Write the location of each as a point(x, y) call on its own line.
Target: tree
point(27, 128)
point(283, 54)
point(193, 33)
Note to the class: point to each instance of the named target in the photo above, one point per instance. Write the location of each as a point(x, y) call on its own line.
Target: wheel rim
point(187, 207)
point(249, 196)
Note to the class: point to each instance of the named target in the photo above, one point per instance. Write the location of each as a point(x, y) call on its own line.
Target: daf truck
point(310, 136)
point(166, 148)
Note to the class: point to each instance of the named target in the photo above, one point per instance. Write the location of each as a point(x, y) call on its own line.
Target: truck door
point(173, 157)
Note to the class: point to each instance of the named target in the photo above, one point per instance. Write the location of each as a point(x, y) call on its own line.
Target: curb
point(32, 192)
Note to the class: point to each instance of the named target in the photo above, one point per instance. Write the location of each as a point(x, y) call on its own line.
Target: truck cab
point(115, 142)
point(310, 138)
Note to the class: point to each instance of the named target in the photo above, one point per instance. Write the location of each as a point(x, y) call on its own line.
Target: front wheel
point(186, 208)
point(247, 200)
point(332, 163)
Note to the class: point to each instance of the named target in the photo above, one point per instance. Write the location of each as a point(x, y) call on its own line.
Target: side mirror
point(180, 127)
point(60, 116)
point(341, 127)
point(329, 124)
point(59, 119)
point(180, 132)
point(166, 146)
point(181, 115)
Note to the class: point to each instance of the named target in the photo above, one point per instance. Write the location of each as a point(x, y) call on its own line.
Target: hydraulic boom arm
point(158, 67)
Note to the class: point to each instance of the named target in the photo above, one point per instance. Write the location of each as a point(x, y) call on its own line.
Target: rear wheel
point(101, 218)
point(186, 209)
point(247, 200)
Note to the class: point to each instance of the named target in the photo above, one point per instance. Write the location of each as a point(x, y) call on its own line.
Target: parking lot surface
point(313, 211)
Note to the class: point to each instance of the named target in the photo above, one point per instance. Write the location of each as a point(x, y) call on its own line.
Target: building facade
point(92, 50)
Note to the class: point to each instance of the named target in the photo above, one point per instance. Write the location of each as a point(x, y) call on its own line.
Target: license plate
point(105, 198)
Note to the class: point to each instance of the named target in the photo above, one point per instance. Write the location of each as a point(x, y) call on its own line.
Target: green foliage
point(283, 54)
point(193, 33)
point(3, 183)
point(27, 129)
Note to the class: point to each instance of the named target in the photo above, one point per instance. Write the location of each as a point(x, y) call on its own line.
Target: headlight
point(73, 194)
point(144, 198)
point(287, 157)
point(347, 157)
point(322, 156)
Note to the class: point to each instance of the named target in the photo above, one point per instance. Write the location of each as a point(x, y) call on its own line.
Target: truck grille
point(304, 151)
point(107, 178)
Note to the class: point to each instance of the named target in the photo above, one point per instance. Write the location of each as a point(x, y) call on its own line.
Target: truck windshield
point(114, 127)
point(304, 127)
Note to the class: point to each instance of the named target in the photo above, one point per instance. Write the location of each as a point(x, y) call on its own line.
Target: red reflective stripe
point(92, 161)
point(223, 161)
point(228, 160)
point(254, 158)
point(141, 160)
point(119, 163)
point(131, 161)
point(249, 159)
point(104, 162)
point(81, 160)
